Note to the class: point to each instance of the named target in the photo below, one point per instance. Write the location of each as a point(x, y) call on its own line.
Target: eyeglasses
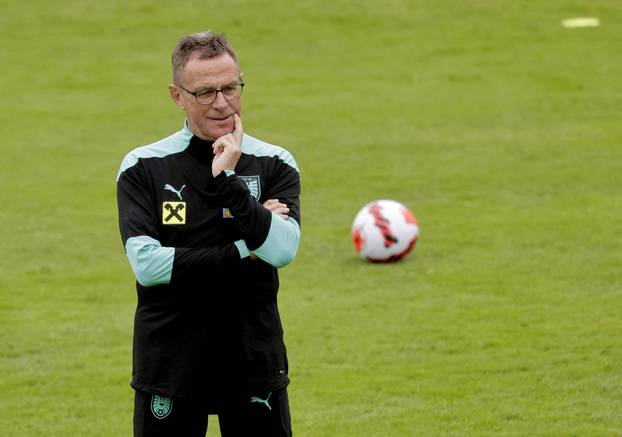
point(208, 96)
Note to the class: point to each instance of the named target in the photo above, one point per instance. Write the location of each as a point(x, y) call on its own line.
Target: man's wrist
point(226, 172)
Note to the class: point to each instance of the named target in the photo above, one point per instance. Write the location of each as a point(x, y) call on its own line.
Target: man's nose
point(220, 101)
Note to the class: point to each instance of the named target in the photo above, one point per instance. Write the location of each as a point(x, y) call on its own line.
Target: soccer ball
point(384, 231)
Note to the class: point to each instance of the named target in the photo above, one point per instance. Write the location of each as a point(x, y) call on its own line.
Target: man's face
point(212, 121)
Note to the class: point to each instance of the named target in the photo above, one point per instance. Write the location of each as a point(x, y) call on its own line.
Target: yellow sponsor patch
point(173, 213)
point(226, 213)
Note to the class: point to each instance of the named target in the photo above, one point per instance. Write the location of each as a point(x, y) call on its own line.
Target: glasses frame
point(217, 90)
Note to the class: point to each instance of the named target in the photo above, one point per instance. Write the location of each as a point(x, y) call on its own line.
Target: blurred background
point(497, 126)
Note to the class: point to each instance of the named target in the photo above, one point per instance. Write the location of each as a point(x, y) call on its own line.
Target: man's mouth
point(220, 118)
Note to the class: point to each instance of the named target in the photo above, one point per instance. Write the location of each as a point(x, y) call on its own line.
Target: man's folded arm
point(152, 263)
point(270, 237)
point(281, 244)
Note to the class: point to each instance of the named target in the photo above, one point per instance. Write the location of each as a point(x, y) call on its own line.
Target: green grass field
point(498, 127)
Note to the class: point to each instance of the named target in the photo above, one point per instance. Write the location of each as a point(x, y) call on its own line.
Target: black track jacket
point(207, 322)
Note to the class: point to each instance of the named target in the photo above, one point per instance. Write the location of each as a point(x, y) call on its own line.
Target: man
point(207, 215)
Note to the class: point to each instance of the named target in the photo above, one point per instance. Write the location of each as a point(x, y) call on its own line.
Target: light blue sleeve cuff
point(152, 264)
point(242, 248)
point(282, 242)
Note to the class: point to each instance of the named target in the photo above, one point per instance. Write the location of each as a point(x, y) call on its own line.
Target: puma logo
point(171, 188)
point(262, 401)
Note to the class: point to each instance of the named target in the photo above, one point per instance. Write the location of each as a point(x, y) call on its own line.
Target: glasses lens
point(207, 97)
point(230, 92)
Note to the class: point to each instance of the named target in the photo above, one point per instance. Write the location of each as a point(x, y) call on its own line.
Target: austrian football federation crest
point(253, 184)
point(161, 407)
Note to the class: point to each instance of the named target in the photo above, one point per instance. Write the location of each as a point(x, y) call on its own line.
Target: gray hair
point(206, 44)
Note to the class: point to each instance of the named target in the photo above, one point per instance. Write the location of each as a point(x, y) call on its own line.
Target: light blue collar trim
point(172, 144)
point(186, 133)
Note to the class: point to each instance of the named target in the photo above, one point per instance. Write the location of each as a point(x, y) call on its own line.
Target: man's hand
point(227, 149)
point(277, 207)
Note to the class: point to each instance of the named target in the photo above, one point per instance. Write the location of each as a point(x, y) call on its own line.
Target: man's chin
point(218, 128)
point(212, 134)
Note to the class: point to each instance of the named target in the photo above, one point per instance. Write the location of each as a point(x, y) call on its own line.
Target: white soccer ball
point(384, 231)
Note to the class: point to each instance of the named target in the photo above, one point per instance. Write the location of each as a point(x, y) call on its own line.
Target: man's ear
point(176, 96)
